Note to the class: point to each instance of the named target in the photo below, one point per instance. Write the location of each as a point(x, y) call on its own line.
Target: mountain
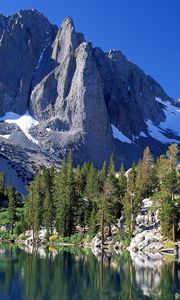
point(58, 92)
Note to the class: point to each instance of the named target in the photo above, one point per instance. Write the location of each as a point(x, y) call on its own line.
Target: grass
point(169, 244)
point(75, 239)
point(3, 216)
point(169, 258)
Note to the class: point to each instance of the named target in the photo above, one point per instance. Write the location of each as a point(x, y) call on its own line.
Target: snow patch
point(170, 125)
point(5, 136)
point(158, 133)
point(143, 134)
point(172, 117)
point(48, 129)
point(119, 135)
point(25, 122)
point(2, 36)
point(41, 56)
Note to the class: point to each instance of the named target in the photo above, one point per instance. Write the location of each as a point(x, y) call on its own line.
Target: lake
point(73, 274)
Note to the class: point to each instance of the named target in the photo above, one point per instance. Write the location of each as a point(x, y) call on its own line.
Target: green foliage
point(166, 215)
point(93, 227)
point(132, 200)
point(86, 200)
point(3, 216)
point(124, 237)
point(11, 194)
point(2, 183)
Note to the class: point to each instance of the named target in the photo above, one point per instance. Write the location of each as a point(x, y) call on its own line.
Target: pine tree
point(109, 204)
point(101, 177)
point(71, 200)
point(111, 169)
point(11, 194)
point(162, 167)
point(132, 200)
point(139, 174)
point(168, 217)
point(30, 210)
point(2, 183)
point(80, 207)
point(148, 181)
point(90, 193)
point(169, 186)
point(38, 202)
point(60, 199)
point(93, 227)
point(122, 179)
point(173, 154)
point(49, 206)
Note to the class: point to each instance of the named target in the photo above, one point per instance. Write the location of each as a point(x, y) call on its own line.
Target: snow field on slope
point(119, 135)
point(170, 125)
point(25, 122)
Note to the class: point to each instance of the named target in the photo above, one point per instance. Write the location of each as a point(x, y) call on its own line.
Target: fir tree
point(30, 210)
point(122, 181)
point(93, 228)
point(109, 204)
point(60, 199)
point(2, 183)
point(38, 202)
point(173, 154)
point(132, 200)
point(148, 182)
point(49, 206)
point(168, 217)
point(169, 186)
point(80, 207)
point(162, 167)
point(71, 203)
point(11, 194)
point(90, 193)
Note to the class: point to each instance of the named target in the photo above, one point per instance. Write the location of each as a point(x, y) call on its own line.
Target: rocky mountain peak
point(66, 41)
point(81, 97)
point(67, 22)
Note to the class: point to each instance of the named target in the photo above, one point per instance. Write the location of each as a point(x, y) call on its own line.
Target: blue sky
point(146, 31)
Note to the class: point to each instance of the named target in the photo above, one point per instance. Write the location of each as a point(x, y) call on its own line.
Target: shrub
point(53, 238)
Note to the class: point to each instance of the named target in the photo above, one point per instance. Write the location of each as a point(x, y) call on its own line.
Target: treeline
point(94, 199)
point(91, 200)
point(10, 198)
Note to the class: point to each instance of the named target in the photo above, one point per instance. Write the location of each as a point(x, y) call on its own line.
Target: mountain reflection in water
point(74, 274)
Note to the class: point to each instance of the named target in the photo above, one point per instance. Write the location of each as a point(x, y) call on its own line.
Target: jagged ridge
point(94, 102)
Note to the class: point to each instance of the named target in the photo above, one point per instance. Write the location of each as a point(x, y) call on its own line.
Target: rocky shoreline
point(147, 238)
point(145, 243)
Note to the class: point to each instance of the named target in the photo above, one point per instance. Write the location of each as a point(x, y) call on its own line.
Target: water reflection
point(51, 274)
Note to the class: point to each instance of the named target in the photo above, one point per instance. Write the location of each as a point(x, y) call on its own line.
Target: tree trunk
point(174, 232)
point(101, 269)
point(109, 233)
point(102, 228)
point(33, 233)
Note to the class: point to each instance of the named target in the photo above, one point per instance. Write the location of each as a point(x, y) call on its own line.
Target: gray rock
point(23, 38)
point(76, 92)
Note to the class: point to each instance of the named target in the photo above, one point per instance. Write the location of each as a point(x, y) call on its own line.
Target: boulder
point(148, 240)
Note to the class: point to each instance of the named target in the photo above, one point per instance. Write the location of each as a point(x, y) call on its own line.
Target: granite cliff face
point(74, 95)
point(23, 38)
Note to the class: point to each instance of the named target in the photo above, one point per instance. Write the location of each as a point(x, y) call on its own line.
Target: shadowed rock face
point(23, 38)
point(76, 92)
